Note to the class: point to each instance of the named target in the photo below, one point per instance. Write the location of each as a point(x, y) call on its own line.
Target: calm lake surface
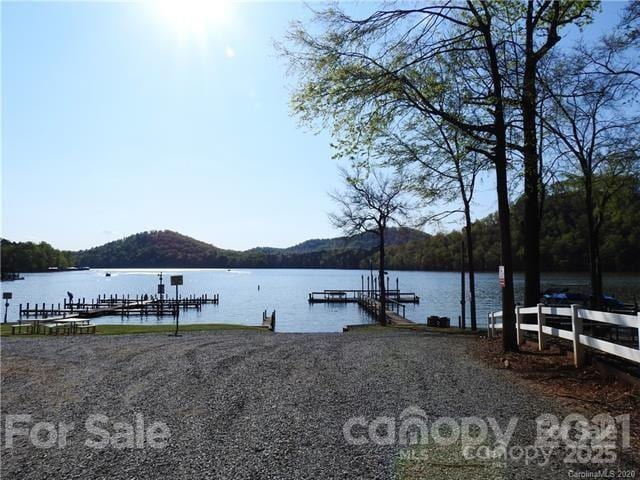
point(286, 291)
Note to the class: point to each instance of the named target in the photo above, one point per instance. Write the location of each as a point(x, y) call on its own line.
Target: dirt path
point(252, 405)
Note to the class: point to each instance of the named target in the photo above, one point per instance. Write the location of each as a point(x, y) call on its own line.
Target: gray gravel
point(251, 405)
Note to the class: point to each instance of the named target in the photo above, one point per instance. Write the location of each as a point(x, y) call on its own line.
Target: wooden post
point(491, 323)
point(576, 326)
point(519, 335)
point(463, 306)
point(638, 330)
point(541, 322)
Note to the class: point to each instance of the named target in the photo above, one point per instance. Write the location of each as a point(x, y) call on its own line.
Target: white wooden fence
point(575, 335)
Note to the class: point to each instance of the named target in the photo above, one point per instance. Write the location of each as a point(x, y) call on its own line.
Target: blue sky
point(122, 117)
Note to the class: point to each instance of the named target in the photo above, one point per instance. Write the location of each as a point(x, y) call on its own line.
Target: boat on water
point(67, 269)
point(11, 276)
point(108, 274)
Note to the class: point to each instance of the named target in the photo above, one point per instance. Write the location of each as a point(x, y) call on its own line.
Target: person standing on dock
point(70, 295)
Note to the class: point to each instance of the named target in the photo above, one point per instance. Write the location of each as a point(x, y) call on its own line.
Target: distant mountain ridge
point(165, 248)
point(563, 245)
point(362, 241)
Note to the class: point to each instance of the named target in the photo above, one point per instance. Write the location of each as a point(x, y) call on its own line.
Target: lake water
point(286, 291)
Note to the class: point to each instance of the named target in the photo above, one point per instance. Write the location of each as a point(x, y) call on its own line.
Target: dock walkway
point(372, 306)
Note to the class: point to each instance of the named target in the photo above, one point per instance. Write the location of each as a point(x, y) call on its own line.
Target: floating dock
point(353, 296)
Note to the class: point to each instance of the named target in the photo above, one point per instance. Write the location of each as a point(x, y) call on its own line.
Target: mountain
point(171, 249)
point(155, 249)
point(563, 245)
point(362, 241)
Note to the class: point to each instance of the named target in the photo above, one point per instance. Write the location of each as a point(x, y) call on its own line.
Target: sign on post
point(501, 276)
point(176, 280)
point(6, 296)
point(161, 289)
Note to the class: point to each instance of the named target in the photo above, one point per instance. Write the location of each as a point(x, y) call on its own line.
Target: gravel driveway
point(250, 404)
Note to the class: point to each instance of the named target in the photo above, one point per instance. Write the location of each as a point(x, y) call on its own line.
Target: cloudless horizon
point(123, 117)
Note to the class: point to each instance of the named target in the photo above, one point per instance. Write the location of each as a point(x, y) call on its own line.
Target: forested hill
point(563, 245)
point(170, 249)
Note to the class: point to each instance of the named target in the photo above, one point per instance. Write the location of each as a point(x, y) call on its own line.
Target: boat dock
point(353, 296)
point(372, 306)
point(369, 301)
point(125, 306)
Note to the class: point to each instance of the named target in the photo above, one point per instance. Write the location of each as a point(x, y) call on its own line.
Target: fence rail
point(576, 335)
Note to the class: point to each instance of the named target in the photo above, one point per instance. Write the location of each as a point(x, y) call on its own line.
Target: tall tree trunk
point(531, 228)
point(472, 275)
point(382, 316)
point(509, 341)
point(593, 245)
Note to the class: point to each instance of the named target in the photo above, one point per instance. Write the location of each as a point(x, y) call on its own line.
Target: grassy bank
point(5, 330)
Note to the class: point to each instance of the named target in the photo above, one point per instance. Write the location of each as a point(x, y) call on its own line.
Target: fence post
point(576, 327)
point(493, 324)
point(489, 325)
point(541, 322)
point(518, 321)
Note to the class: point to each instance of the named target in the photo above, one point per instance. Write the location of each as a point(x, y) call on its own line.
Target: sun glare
point(194, 17)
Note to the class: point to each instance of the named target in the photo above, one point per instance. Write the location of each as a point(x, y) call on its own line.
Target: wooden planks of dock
point(373, 306)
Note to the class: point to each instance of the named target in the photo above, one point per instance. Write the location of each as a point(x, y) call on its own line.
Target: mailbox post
point(6, 296)
point(176, 280)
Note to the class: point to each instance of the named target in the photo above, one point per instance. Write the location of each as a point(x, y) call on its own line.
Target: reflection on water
point(286, 291)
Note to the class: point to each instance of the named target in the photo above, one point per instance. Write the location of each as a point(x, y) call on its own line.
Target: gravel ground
point(256, 405)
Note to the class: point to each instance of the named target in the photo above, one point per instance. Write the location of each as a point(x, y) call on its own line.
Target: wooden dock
point(269, 321)
point(372, 306)
point(352, 296)
point(124, 306)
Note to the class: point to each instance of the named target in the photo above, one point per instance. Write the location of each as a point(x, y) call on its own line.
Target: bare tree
point(595, 124)
point(442, 166)
point(617, 52)
point(371, 202)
